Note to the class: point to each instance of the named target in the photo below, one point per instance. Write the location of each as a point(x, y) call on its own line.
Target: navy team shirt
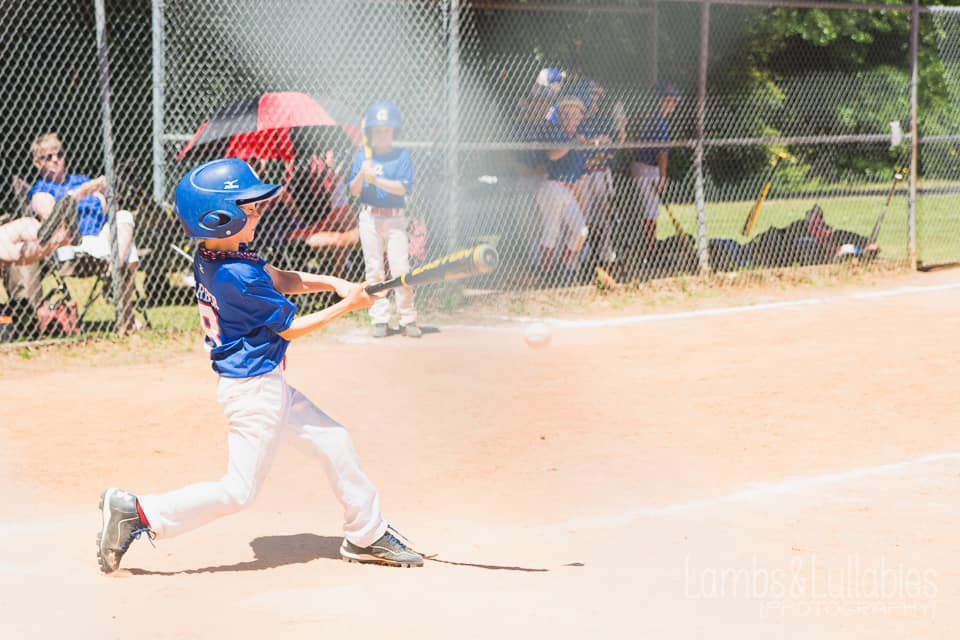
point(241, 312)
point(396, 164)
point(656, 129)
point(569, 167)
point(594, 127)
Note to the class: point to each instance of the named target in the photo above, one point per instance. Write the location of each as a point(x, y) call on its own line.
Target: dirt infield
point(787, 470)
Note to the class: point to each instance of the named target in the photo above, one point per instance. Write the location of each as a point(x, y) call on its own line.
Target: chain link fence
point(591, 143)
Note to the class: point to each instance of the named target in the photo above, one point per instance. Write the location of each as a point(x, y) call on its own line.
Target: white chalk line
point(510, 323)
point(559, 323)
point(757, 493)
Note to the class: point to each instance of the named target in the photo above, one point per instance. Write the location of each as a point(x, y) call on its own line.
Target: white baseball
point(537, 335)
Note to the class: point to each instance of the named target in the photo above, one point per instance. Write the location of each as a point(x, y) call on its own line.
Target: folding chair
point(70, 263)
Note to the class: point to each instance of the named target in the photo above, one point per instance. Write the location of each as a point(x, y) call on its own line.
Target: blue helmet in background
point(382, 113)
point(207, 198)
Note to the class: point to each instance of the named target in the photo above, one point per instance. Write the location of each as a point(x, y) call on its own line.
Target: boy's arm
point(357, 298)
point(393, 187)
point(297, 282)
point(402, 181)
point(356, 184)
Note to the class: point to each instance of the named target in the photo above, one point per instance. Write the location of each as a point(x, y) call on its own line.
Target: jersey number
point(210, 323)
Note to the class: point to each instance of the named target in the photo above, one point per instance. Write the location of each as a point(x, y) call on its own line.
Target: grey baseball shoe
point(390, 550)
point(379, 330)
point(121, 526)
point(412, 330)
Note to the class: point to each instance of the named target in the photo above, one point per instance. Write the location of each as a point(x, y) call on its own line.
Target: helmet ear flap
point(219, 220)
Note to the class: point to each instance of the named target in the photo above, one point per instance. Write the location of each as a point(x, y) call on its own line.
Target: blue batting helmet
point(208, 197)
point(382, 113)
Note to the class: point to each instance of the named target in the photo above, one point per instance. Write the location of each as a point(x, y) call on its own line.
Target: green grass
point(938, 221)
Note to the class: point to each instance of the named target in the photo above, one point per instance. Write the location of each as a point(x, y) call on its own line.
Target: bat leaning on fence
point(460, 264)
point(898, 173)
point(687, 241)
point(764, 191)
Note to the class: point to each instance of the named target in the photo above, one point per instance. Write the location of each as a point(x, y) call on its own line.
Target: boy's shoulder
point(235, 273)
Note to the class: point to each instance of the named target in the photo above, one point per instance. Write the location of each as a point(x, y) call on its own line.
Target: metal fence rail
point(789, 138)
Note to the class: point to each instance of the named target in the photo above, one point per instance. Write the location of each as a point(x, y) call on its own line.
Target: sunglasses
point(47, 157)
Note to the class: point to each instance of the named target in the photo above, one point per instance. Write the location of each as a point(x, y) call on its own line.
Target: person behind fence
point(559, 196)
point(84, 198)
point(333, 229)
point(649, 167)
point(835, 243)
point(24, 243)
point(28, 240)
point(596, 184)
point(248, 323)
point(383, 181)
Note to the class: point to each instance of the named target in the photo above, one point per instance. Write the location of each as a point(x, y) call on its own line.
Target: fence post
point(914, 136)
point(703, 250)
point(453, 121)
point(124, 310)
point(159, 164)
point(654, 70)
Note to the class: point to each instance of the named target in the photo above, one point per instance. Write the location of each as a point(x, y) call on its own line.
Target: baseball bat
point(755, 211)
point(677, 227)
point(461, 264)
point(898, 171)
point(367, 151)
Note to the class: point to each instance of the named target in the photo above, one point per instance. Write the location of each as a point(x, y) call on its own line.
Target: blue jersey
point(594, 127)
point(396, 164)
point(241, 312)
point(655, 129)
point(90, 214)
point(569, 168)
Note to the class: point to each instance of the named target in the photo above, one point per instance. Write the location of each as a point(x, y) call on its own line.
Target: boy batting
point(248, 323)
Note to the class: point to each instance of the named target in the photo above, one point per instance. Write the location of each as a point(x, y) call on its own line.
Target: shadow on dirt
point(270, 552)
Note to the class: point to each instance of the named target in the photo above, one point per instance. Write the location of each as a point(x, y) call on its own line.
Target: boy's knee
point(238, 494)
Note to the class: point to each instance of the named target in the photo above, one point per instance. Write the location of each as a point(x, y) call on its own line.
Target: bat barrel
point(485, 258)
point(460, 264)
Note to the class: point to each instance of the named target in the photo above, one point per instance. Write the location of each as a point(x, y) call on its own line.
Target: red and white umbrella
point(260, 127)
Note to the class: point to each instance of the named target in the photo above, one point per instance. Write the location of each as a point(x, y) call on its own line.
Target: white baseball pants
point(263, 411)
point(597, 189)
point(646, 178)
point(379, 233)
point(560, 211)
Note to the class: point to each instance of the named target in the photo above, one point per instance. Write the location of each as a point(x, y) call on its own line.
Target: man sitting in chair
point(85, 197)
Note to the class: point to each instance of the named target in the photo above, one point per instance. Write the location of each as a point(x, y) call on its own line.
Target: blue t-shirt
point(90, 214)
point(241, 313)
point(594, 127)
point(568, 168)
point(396, 164)
point(655, 129)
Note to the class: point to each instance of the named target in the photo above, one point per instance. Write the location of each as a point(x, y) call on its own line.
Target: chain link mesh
point(539, 128)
